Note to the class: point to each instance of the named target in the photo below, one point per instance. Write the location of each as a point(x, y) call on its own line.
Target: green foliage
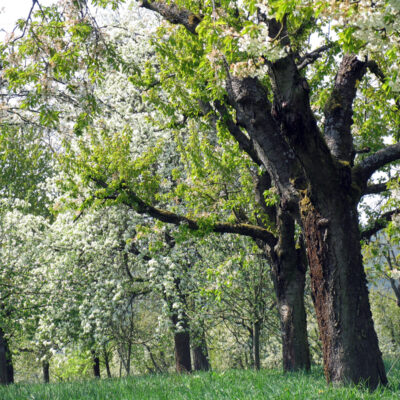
point(25, 163)
point(69, 367)
point(386, 315)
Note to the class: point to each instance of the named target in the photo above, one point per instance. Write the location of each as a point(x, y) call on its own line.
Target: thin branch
point(378, 224)
point(364, 170)
point(310, 58)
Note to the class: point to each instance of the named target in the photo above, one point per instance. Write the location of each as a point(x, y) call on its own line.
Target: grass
point(229, 385)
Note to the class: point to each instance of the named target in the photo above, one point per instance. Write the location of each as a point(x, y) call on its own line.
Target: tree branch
point(378, 224)
point(375, 188)
point(309, 58)
point(364, 170)
point(130, 199)
point(253, 112)
point(244, 142)
point(174, 14)
point(339, 108)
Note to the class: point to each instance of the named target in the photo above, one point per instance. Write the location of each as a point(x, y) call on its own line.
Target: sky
point(11, 10)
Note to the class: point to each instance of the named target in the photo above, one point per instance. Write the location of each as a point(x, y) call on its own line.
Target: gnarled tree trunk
point(340, 294)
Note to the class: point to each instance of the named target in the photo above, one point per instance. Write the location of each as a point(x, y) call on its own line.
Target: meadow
point(229, 385)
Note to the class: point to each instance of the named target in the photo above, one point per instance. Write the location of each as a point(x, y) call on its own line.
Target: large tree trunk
point(200, 354)
point(340, 294)
point(289, 279)
point(6, 366)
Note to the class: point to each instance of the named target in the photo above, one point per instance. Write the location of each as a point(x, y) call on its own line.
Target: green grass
point(230, 385)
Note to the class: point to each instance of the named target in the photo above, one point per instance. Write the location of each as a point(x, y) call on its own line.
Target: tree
point(251, 65)
point(311, 160)
point(22, 278)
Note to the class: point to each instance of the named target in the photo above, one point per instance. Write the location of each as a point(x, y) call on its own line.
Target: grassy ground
point(232, 385)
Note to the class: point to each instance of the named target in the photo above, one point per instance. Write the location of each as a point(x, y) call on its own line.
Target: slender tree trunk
point(200, 354)
point(128, 360)
point(107, 362)
point(256, 345)
point(340, 294)
point(96, 364)
point(6, 365)
point(46, 371)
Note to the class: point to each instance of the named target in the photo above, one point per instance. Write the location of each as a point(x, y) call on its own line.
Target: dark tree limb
point(310, 58)
point(245, 143)
point(364, 170)
point(253, 113)
point(339, 108)
point(375, 188)
point(174, 14)
point(378, 224)
point(131, 199)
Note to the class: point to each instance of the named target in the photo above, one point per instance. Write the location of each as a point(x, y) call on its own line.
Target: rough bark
point(339, 109)
point(330, 225)
point(288, 270)
point(46, 371)
point(6, 365)
point(340, 294)
point(288, 273)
